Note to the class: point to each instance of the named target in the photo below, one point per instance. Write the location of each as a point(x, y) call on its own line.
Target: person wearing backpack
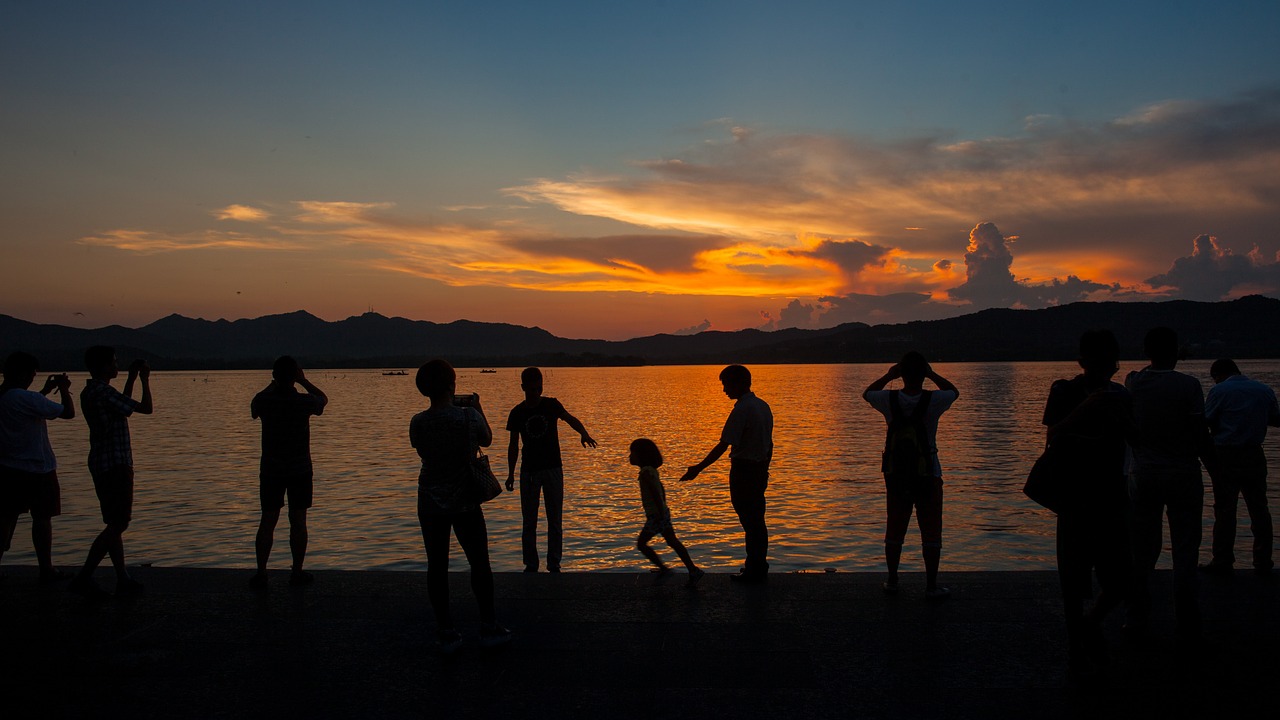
point(912, 474)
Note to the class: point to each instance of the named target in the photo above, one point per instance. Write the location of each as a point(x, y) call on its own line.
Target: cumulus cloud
point(1212, 272)
point(796, 315)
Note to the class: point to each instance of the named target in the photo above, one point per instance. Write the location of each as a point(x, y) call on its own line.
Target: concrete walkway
point(200, 644)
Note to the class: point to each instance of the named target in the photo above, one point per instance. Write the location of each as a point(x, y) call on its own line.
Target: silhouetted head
point(914, 368)
point(531, 380)
point(1161, 346)
point(100, 360)
point(1099, 353)
point(436, 379)
point(20, 369)
point(1219, 371)
point(736, 380)
point(644, 452)
point(285, 369)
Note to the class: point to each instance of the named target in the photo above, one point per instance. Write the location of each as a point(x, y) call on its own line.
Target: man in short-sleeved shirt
point(748, 436)
point(1239, 410)
point(919, 491)
point(285, 467)
point(28, 469)
point(107, 412)
point(533, 421)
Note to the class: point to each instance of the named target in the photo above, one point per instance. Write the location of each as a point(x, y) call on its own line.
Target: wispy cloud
point(146, 243)
point(245, 213)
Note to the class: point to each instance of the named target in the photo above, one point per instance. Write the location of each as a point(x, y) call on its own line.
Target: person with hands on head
point(533, 421)
point(912, 473)
point(285, 468)
point(28, 468)
point(748, 436)
point(107, 411)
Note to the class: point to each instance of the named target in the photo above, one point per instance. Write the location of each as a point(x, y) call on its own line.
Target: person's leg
point(265, 537)
point(300, 490)
point(747, 485)
point(46, 503)
point(42, 541)
point(8, 524)
point(929, 519)
point(1226, 492)
point(435, 539)
point(473, 536)
point(1185, 509)
point(553, 495)
point(1146, 510)
point(530, 490)
point(897, 517)
point(642, 544)
point(1253, 485)
point(673, 542)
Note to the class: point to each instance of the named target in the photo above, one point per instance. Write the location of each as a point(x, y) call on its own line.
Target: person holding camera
point(107, 412)
point(28, 468)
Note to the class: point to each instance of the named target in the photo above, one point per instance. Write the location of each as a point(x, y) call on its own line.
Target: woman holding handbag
point(1088, 419)
point(446, 436)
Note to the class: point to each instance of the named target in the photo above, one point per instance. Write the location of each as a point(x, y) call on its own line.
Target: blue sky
point(614, 169)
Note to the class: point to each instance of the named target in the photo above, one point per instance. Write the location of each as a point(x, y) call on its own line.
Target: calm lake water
point(197, 458)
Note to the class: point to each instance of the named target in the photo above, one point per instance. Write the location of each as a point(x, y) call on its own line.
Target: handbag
point(1048, 483)
point(483, 485)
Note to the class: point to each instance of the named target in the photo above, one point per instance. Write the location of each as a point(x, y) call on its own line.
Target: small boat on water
point(488, 370)
point(396, 372)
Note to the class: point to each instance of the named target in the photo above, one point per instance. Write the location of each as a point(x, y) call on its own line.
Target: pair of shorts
point(273, 488)
point(658, 525)
point(36, 493)
point(114, 489)
point(926, 499)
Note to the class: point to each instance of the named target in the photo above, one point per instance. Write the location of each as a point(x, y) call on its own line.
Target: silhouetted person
point(646, 456)
point(285, 468)
point(446, 437)
point(1089, 418)
point(28, 468)
point(912, 473)
point(107, 412)
point(533, 422)
point(1239, 410)
point(1172, 437)
point(749, 432)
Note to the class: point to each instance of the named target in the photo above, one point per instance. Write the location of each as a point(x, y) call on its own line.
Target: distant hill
point(1244, 328)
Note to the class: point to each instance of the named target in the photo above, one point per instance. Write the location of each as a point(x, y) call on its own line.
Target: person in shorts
point(653, 496)
point(107, 412)
point(285, 468)
point(28, 468)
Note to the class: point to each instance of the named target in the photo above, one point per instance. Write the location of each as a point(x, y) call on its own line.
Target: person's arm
point(485, 438)
point(513, 455)
point(893, 373)
point(1273, 415)
point(140, 371)
point(942, 383)
point(579, 428)
point(64, 396)
point(314, 391)
point(711, 457)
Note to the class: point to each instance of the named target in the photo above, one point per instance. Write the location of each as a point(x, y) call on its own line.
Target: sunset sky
point(617, 169)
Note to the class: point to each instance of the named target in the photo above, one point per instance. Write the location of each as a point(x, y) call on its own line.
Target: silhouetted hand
point(63, 382)
point(691, 473)
point(587, 441)
point(49, 384)
point(511, 483)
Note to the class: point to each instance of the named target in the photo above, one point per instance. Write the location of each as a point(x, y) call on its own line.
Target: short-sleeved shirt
point(286, 429)
point(652, 493)
point(24, 436)
point(1095, 448)
point(749, 430)
point(1239, 410)
point(939, 402)
point(107, 411)
point(1168, 409)
point(444, 439)
point(537, 428)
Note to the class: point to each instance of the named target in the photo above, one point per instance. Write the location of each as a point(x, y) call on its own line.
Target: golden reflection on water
point(197, 469)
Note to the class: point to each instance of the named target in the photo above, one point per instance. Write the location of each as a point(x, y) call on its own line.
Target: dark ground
point(200, 644)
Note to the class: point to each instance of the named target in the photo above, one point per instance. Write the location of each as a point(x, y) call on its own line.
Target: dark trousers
point(549, 484)
point(1242, 470)
point(469, 527)
point(747, 483)
point(1180, 496)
